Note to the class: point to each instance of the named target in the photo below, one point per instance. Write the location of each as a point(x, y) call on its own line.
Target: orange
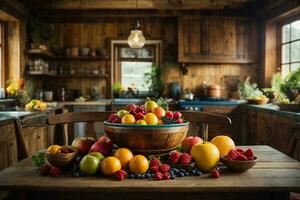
point(110, 165)
point(160, 122)
point(53, 149)
point(223, 143)
point(128, 119)
point(159, 112)
point(139, 164)
point(124, 155)
point(141, 122)
point(151, 119)
point(206, 156)
point(149, 105)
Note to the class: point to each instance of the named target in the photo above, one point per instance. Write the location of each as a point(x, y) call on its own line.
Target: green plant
point(117, 87)
point(247, 90)
point(38, 159)
point(154, 80)
point(163, 103)
point(292, 81)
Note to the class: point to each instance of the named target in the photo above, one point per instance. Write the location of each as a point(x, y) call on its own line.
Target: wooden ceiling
point(141, 4)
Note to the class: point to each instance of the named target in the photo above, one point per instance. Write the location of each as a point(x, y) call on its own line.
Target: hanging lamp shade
point(136, 39)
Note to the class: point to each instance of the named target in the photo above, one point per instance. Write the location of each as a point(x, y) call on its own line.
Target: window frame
point(3, 50)
point(281, 43)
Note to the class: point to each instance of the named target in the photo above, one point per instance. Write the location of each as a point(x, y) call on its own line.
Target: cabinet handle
point(11, 144)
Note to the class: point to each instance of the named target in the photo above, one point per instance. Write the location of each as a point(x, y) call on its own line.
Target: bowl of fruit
point(238, 160)
point(148, 129)
point(60, 155)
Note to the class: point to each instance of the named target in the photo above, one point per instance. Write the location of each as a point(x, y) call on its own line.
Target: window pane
point(286, 33)
point(285, 70)
point(285, 54)
point(295, 66)
point(295, 51)
point(133, 74)
point(295, 28)
point(136, 53)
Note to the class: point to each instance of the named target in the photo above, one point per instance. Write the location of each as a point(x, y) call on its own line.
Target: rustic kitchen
point(150, 99)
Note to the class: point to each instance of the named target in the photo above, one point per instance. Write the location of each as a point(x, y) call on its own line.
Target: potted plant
point(154, 80)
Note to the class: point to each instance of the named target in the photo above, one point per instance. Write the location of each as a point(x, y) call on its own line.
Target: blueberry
point(173, 177)
point(181, 174)
point(171, 173)
point(186, 173)
point(143, 176)
point(176, 170)
point(193, 171)
point(77, 159)
point(137, 176)
point(148, 175)
point(152, 175)
point(182, 170)
point(131, 176)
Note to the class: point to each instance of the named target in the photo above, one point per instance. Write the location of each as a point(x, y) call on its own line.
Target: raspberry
point(241, 157)
point(54, 171)
point(121, 175)
point(154, 169)
point(174, 156)
point(45, 169)
point(169, 114)
point(179, 121)
point(164, 168)
point(185, 158)
point(240, 151)
point(248, 153)
point(232, 154)
point(250, 158)
point(215, 173)
point(158, 176)
point(166, 176)
point(138, 116)
point(177, 115)
point(154, 162)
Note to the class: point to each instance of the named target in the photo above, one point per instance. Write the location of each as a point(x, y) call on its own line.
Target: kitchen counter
point(274, 109)
point(102, 102)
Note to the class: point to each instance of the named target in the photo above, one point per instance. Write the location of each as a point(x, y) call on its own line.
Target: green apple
point(97, 155)
point(121, 113)
point(89, 164)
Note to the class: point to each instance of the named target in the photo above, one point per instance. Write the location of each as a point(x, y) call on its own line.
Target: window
point(2, 71)
point(290, 47)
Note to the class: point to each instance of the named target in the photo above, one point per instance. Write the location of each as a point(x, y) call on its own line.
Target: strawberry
point(45, 169)
point(166, 176)
point(154, 162)
point(121, 175)
point(241, 157)
point(158, 176)
point(232, 154)
point(240, 151)
point(179, 121)
point(177, 115)
point(174, 156)
point(154, 169)
point(169, 114)
point(248, 153)
point(215, 173)
point(164, 168)
point(185, 158)
point(54, 171)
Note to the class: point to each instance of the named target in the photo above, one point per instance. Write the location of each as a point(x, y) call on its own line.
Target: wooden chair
point(73, 117)
point(203, 120)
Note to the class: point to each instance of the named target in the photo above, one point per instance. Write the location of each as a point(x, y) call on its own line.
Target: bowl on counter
point(257, 101)
point(237, 165)
point(147, 139)
point(62, 159)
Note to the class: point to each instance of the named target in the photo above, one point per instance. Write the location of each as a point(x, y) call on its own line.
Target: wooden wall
point(97, 34)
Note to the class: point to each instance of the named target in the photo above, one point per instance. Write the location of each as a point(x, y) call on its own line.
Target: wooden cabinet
point(35, 139)
point(264, 128)
point(216, 40)
point(8, 146)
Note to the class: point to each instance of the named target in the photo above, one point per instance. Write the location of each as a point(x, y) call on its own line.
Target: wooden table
point(273, 177)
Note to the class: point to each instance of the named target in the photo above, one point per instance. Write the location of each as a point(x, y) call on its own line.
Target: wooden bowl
point(258, 101)
point(60, 159)
point(238, 166)
point(147, 139)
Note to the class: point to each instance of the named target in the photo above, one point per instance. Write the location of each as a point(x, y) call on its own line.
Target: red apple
point(169, 114)
point(83, 144)
point(112, 117)
point(104, 145)
point(189, 142)
point(138, 116)
point(177, 115)
point(131, 107)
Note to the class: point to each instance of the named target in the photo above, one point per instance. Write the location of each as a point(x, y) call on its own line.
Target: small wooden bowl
point(61, 159)
point(257, 101)
point(147, 139)
point(238, 166)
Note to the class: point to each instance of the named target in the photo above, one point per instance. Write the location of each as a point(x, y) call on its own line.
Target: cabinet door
point(41, 138)
point(215, 40)
point(3, 155)
point(12, 152)
point(264, 126)
point(252, 127)
point(30, 137)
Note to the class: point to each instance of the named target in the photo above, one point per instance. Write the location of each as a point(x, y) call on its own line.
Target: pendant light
point(136, 38)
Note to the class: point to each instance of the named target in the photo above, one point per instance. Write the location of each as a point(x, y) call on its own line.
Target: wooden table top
point(273, 172)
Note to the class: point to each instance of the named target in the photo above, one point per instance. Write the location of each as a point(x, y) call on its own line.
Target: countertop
point(274, 109)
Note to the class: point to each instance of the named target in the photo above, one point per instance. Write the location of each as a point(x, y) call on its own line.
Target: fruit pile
point(240, 154)
point(151, 113)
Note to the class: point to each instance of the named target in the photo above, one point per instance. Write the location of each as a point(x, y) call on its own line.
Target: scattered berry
point(45, 169)
point(121, 175)
point(54, 171)
point(154, 169)
point(166, 176)
point(185, 158)
point(241, 157)
point(158, 176)
point(181, 174)
point(164, 168)
point(179, 121)
point(154, 162)
point(215, 173)
point(148, 175)
point(131, 176)
point(174, 156)
point(177, 115)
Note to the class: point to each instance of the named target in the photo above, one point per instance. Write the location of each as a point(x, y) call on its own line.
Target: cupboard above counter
point(217, 40)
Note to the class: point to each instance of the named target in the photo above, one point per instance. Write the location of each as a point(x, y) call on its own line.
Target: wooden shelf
point(67, 75)
point(85, 58)
point(39, 53)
